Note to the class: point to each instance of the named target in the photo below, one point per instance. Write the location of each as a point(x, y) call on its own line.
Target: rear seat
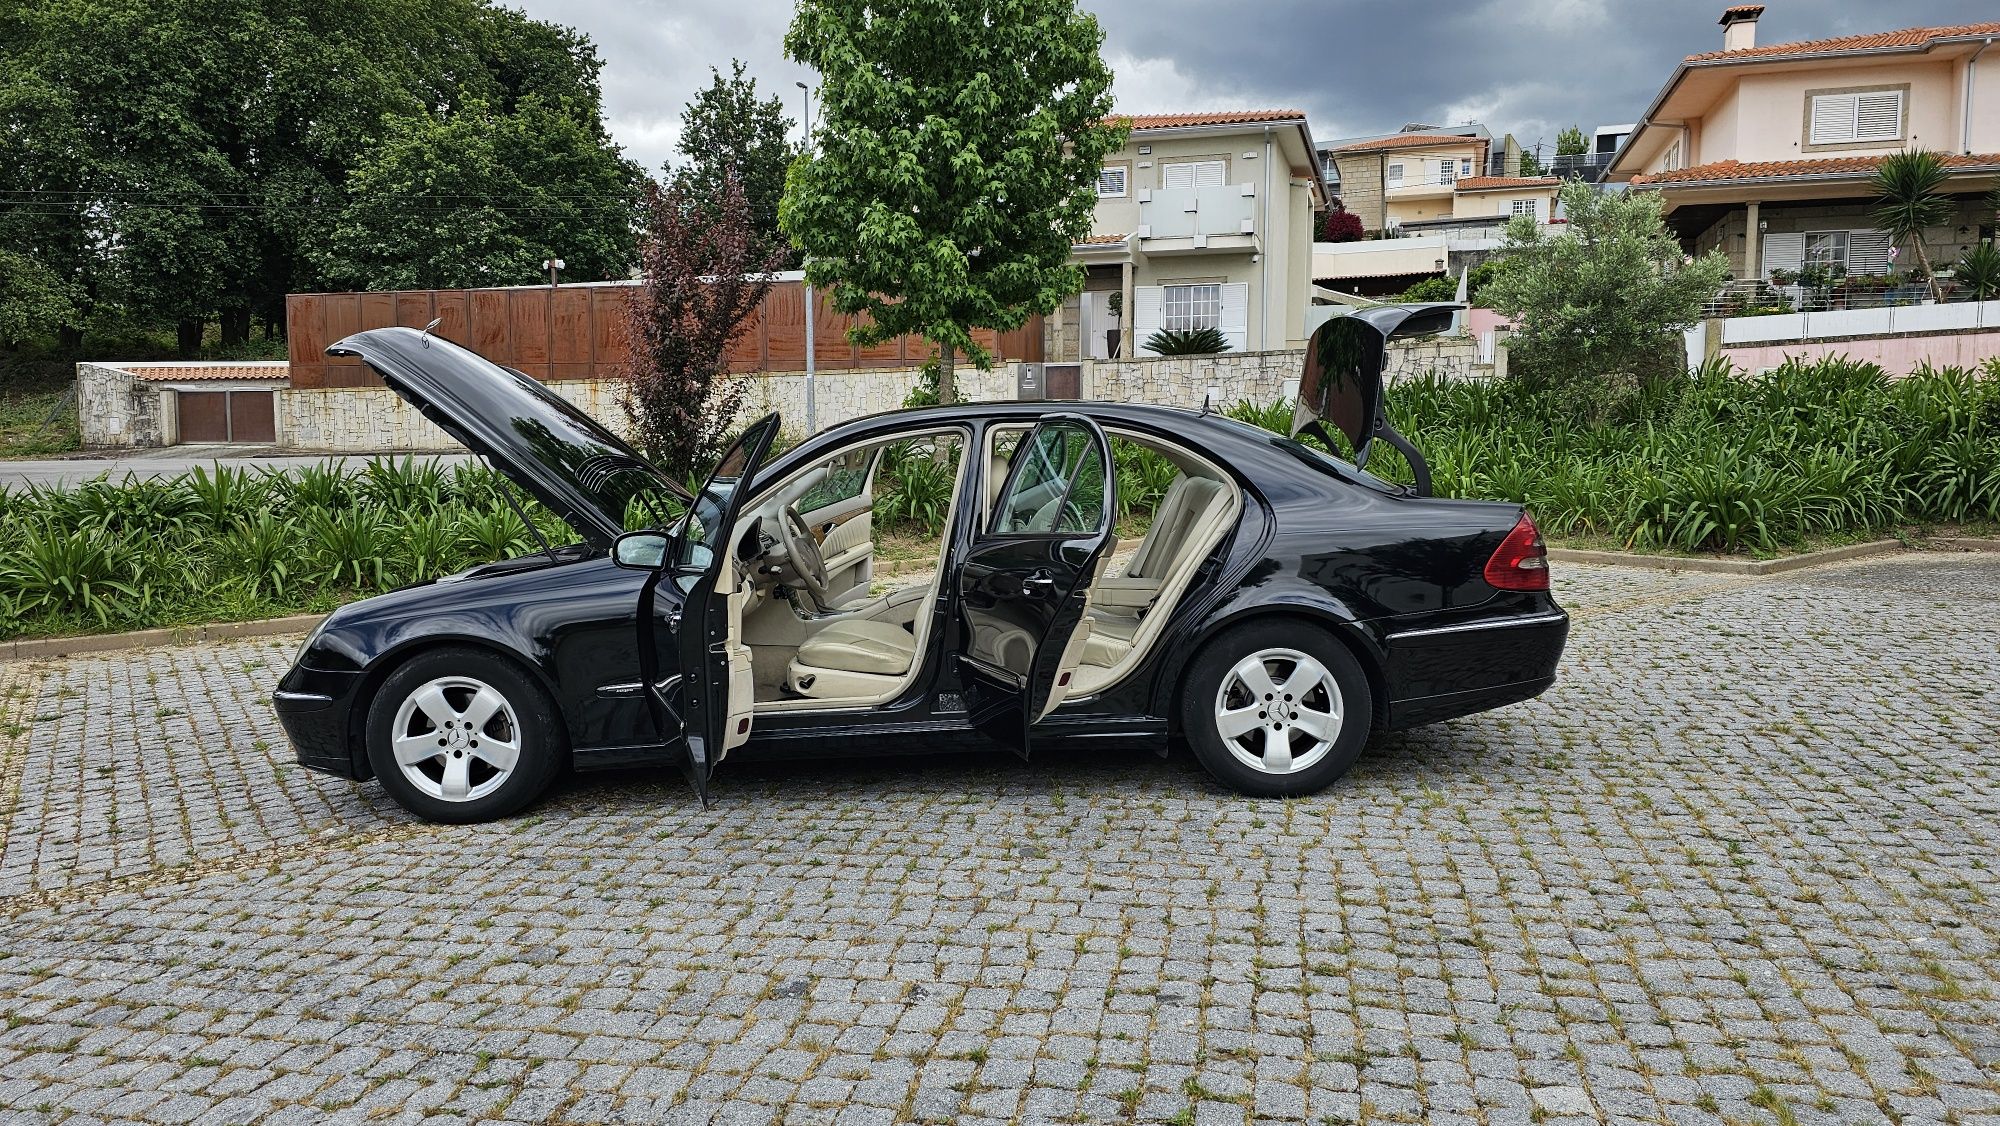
point(1185, 521)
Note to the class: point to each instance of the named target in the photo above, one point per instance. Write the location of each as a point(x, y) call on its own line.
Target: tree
point(1978, 271)
point(705, 270)
point(1570, 142)
point(33, 298)
point(1340, 225)
point(1604, 295)
point(1906, 185)
point(957, 164)
point(726, 130)
point(482, 198)
point(1529, 165)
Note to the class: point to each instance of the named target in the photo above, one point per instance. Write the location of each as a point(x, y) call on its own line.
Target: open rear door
point(708, 704)
point(1024, 584)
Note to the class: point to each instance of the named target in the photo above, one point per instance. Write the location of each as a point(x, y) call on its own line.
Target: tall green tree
point(1603, 295)
point(728, 132)
point(957, 163)
point(1569, 142)
point(483, 198)
point(1908, 187)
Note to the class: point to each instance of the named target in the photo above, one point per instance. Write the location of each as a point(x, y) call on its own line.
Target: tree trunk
point(947, 386)
point(235, 326)
point(187, 337)
point(1924, 260)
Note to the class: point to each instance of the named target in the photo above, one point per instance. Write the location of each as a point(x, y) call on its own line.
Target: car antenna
point(425, 335)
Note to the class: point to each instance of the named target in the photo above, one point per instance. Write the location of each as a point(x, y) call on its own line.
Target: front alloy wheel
point(463, 734)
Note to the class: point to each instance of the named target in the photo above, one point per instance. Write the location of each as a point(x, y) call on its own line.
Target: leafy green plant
point(493, 533)
point(1193, 342)
point(225, 496)
point(921, 494)
point(404, 486)
point(351, 547)
point(1909, 190)
point(58, 568)
point(1978, 272)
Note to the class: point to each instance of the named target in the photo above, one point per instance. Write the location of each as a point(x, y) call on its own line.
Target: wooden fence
point(577, 332)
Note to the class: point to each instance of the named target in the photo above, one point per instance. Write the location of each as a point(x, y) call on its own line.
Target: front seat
point(853, 657)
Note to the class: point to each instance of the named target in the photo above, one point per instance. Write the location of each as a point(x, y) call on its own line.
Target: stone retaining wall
point(115, 409)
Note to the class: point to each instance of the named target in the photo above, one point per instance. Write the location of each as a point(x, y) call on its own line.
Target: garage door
point(228, 416)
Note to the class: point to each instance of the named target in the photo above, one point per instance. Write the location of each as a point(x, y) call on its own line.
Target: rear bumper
point(1442, 671)
point(315, 708)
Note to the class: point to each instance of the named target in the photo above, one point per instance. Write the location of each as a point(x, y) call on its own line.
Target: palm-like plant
point(1979, 271)
point(1194, 342)
point(1907, 186)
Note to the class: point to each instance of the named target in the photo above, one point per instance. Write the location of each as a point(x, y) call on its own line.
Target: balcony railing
point(1228, 209)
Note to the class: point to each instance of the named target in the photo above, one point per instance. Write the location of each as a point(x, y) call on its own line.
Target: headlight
point(300, 659)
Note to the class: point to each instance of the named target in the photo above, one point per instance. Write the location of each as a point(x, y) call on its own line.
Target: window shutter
point(1833, 118)
point(1177, 176)
point(1783, 252)
point(1208, 174)
point(1145, 316)
point(1111, 182)
point(1236, 315)
point(1867, 253)
point(1192, 174)
point(1878, 116)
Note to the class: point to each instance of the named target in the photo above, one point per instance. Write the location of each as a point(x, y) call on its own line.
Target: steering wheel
point(803, 550)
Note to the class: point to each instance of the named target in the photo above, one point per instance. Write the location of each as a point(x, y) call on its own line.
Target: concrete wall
point(1897, 355)
point(116, 409)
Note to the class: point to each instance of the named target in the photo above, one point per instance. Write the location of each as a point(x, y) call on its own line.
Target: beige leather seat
point(852, 657)
point(1186, 506)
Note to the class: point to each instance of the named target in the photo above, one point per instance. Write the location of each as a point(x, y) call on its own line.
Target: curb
point(1969, 543)
point(1733, 566)
point(139, 639)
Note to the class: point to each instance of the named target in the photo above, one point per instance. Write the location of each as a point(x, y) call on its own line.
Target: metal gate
point(227, 416)
point(1062, 381)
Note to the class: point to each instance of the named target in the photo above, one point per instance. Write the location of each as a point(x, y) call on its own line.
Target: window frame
point(1194, 177)
point(1124, 173)
point(1901, 90)
point(1392, 175)
point(1191, 301)
point(1528, 207)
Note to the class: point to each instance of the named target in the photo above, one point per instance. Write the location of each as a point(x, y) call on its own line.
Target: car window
point(1057, 484)
point(846, 478)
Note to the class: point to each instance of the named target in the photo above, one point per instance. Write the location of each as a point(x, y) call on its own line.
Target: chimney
point(1739, 26)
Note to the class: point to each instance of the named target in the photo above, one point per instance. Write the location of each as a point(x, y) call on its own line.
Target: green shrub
point(1195, 342)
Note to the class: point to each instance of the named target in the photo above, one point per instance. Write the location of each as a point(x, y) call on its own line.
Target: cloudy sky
point(1355, 66)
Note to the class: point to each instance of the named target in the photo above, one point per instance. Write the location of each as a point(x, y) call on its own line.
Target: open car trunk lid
point(560, 455)
point(1341, 384)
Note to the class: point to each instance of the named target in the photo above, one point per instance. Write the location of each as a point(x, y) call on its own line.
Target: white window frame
point(1393, 177)
point(1529, 207)
point(1832, 248)
point(1841, 118)
point(1191, 306)
point(1200, 174)
point(1104, 176)
point(1447, 172)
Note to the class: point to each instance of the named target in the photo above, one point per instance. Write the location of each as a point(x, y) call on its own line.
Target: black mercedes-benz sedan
point(1283, 604)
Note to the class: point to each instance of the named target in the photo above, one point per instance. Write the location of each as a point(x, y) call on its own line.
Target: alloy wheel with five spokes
point(456, 739)
point(1278, 711)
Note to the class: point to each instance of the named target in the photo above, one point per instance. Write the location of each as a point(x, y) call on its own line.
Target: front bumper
point(316, 708)
point(1441, 671)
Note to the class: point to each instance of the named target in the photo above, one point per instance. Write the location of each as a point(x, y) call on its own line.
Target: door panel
point(204, 415)
point(252, 416)
point(849, 552)
point(1024, 584)
point(839, 511)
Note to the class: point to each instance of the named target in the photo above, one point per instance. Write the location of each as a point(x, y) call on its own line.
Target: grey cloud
point(1355, 66)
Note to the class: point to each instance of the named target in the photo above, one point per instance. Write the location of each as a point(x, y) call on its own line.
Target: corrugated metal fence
point(577, 332)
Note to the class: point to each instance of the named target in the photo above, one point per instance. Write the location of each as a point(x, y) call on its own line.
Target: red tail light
point(1520, 562)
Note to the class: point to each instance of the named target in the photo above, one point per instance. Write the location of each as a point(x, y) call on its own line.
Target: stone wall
point(115, 409)
point(1181, 381)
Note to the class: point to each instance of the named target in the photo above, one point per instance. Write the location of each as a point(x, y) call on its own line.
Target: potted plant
point(1782, 277)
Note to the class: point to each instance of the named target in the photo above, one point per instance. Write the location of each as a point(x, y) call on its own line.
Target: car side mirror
point(639, 551)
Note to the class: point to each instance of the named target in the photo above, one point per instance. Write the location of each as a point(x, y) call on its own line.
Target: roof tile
point(1491, 183)
point(1723, 170)
point(1409, 141)
point(1881, 40)
point(1225, 117)
point(184, 372)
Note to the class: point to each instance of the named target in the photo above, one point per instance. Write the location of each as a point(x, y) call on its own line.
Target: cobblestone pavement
point(1739, 866)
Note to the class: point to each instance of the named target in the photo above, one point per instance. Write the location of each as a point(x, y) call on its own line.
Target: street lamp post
point(812, 404)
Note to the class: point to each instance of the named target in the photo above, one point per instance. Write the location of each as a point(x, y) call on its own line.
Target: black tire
point(1203, 699)
point(535, 727)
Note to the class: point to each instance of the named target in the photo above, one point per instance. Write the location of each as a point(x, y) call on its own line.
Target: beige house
point(1424, 181)
point(1765, 152)
point(1203, 221)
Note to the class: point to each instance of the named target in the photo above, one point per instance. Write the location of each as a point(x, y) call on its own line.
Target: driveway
point(1740, 866)
point(172, 461)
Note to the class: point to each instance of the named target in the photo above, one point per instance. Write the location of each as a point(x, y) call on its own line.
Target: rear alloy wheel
point(462, 735)
point(1276, 710)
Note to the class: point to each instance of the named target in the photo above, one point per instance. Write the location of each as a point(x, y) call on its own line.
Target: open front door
point(1024, 584)
point(707, 704)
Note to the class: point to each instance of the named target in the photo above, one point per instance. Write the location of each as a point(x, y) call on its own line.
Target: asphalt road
point(171, 462)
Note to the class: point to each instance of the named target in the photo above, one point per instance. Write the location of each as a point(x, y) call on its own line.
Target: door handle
point(1035, 586)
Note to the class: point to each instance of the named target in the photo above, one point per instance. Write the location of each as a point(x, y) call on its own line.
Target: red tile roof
point(1881, 40)
point(1409, 141)
point(1741, 10)
point(1726, 170)
point(191, 372)
point(1100, 240)
point(1226, 117)
point(1494, 183)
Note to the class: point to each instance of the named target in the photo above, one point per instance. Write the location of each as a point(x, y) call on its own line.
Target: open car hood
point(1341, 384)
point(560, 455)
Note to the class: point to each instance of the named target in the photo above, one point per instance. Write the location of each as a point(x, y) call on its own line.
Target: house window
point(1859, 117)
point(1827, 248)
point(1193, 174)
point(1395, 175)
point(1447, 171)
point(1111, 181)
point(1527, 207)
point(1187, 308)
point(1465, 166)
